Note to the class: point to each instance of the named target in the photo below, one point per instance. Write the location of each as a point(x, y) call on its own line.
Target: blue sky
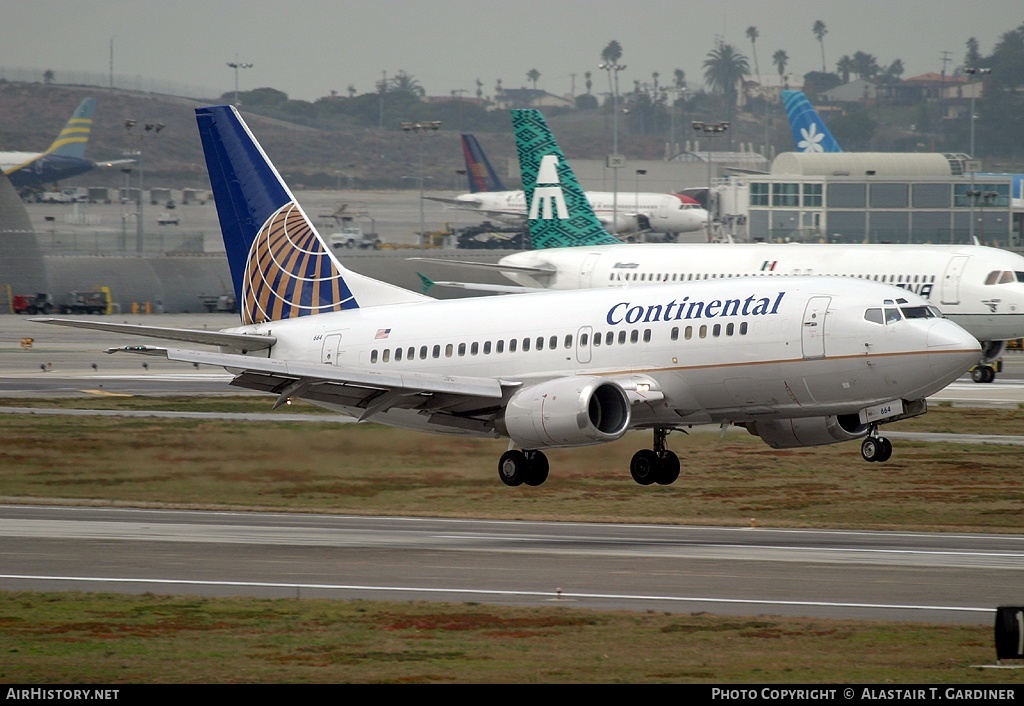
point(308, 48)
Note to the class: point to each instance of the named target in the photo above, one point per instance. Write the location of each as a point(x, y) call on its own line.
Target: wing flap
point(370, 390)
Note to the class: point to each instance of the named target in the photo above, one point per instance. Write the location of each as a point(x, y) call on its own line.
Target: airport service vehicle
point(797, 361)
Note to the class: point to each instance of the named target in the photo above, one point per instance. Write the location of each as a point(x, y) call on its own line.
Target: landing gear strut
point(876, 448)
point(657, 465)
point(517, 467)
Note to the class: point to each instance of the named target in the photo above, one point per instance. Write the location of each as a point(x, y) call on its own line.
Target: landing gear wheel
point(885, 450)
point(669, 471)
point(870, 449)
point(645, 466)
point(513, 467)
point(537, 469)
point(983, 373)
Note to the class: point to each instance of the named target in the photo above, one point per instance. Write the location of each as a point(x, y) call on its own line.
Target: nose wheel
point(876, 448)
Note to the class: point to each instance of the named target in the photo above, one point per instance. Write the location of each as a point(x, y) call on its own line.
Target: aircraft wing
point(450, 400)
point(489, 266)
point(113, 163)
point(240, 341)
point(478, 287)
point(475, 208)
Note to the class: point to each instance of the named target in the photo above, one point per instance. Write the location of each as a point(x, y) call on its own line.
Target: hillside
point(31, 115)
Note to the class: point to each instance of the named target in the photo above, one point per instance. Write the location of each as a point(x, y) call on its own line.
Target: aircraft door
point(583, 338)
point(587, 270)
point(330, 348)
point(951, 280)
point(812, 330)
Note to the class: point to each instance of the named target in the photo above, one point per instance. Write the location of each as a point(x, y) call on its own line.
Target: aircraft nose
point(951, 350)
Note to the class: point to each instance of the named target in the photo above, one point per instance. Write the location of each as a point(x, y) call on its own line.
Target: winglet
point(426, 281)
point(558, 212)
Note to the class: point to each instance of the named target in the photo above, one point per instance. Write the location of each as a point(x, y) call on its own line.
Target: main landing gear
point(875, 448)
point(657, 465)
point(517, 467)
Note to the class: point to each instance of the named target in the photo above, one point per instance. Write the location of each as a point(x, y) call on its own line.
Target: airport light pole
point(420, 128)
point(710, 130)
point(973, 164)
point(147, 129)
point(636, 192)
point(236, 65)
point(615, 160)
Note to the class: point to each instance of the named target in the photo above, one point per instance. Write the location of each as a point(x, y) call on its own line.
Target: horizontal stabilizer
point(526, 270)
point(241, 341)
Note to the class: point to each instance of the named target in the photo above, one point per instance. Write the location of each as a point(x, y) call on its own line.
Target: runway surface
point(741, 571)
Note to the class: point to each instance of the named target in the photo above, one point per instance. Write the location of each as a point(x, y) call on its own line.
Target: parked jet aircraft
point(980, 288)
point(65, 158)
point(632, 211)
point(797, 361)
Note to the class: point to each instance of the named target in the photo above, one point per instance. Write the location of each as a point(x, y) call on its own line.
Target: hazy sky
point(308, 48)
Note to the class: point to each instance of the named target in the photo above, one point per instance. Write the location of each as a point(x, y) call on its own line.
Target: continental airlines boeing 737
point(797, 361)
point(631, 211)
point(980, 288)
point(64, 158)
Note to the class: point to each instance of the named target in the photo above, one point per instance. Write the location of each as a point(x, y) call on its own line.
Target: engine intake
point(810, 431)
point(571, 411)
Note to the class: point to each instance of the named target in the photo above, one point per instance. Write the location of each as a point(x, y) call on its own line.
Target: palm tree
point(403, 82)
point(724, 69)
point(865, 65)
point(611, 53)
point(845, 67)
point(679, 78)
point(589, 82)
point(532, 75)
point(752, 35)
point(780, 58)
point(820, 32)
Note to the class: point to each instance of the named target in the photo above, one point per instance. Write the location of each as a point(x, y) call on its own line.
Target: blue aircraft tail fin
point(558, 212)
point(73, 139)
point(280, 266)
point(479, 172)
point(809, 131)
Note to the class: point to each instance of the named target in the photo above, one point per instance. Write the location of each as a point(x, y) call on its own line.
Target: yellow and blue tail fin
point(280, 266)
point(73, 139)
point(558, 212)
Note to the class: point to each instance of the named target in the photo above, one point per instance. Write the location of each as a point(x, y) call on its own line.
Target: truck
point(220, 303)
point(97, 301)
point(354, 237)
point(31, 304)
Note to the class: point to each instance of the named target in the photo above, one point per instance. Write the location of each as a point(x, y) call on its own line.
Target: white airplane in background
point(980, 288)
point(631, 212)
point(797, 361)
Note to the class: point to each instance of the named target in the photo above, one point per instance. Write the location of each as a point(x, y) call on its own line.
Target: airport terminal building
point(849, 197)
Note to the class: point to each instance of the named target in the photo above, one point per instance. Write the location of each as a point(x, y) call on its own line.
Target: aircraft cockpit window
point(917, 312)
point(1020, 276)
point(874, 316)
point(936, 312)
point(993, 277)
point(892, 315)
point(1007, 278)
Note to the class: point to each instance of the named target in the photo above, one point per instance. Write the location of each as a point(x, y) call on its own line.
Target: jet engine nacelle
point(811, 431)
point(571, 411)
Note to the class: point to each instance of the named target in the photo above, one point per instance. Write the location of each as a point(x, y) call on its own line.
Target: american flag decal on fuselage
point(290, 273)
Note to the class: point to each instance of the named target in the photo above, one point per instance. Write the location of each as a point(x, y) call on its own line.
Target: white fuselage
point(685, 352)
point(665, 212)
point(978, 287)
